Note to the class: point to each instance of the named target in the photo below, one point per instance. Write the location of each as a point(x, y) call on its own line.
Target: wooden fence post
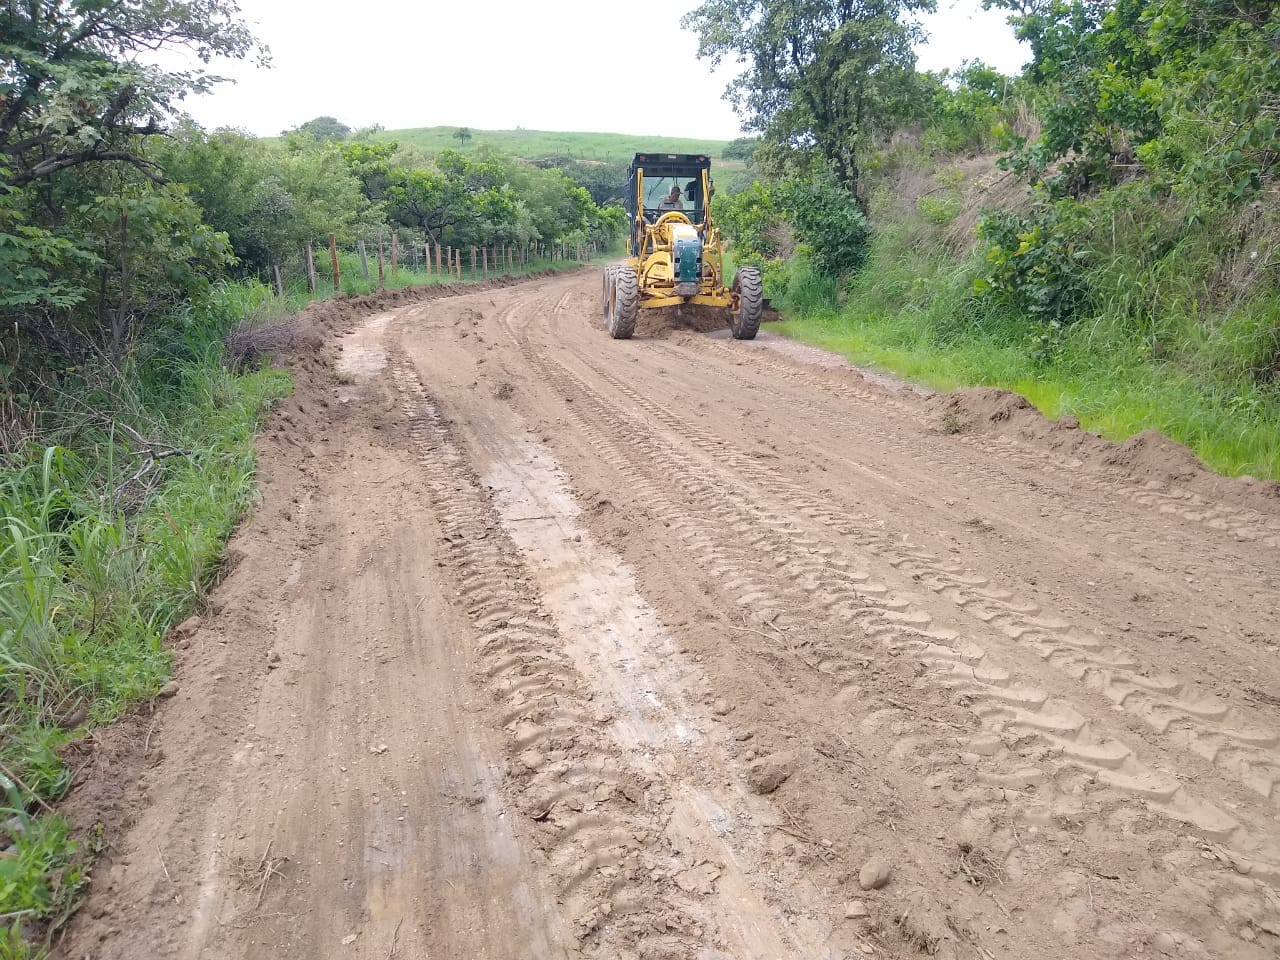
point(395, 253)
point(364, 259)
point(473, 263)
point(458, 262)
point(484, 256)
point(439, 271)
point(279, 285)
point(311, 269)
point(381, 281)
point(333, 258)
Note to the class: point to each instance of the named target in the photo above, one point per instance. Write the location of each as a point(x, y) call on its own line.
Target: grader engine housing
point(686, 255)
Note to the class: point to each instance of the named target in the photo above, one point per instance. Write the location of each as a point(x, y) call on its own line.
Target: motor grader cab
point(675, 254)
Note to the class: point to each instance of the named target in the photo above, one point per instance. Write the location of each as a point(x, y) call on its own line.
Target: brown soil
point(545, 645)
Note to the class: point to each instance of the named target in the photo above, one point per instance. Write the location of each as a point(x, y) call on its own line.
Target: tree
point(84, 214)
point(462, 135)
point(1186, 88)
point(371, 164)
point(743, 148)
point(325, 128)
point(270, 200)
point(72, 89)
point(819, 76)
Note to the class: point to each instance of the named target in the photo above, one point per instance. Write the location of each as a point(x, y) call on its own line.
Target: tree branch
point(62, 161)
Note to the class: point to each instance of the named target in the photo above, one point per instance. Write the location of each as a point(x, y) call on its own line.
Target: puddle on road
point(619, 645)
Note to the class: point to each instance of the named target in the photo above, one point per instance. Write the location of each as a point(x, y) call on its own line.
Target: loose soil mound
point(1149, 456)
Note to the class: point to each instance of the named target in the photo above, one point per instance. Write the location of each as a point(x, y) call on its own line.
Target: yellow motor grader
point(675, 254)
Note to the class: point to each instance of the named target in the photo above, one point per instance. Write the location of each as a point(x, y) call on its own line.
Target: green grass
point(98, 558)
point(539, 144)
point(912, 311)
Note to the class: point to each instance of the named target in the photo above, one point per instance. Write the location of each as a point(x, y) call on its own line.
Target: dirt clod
point(767, 774)
point(1164, 943)
point(875, 873)
point(185, 629)
point(699, 879)
point(856, 910)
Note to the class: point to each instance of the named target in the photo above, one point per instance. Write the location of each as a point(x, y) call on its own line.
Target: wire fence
point(328, 267)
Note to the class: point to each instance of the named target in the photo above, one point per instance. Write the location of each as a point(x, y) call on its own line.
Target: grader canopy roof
point(670, 164)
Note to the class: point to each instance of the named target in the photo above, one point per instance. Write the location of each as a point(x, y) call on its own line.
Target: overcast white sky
point(501, 64)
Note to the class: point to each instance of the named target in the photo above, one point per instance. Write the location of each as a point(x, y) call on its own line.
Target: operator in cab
point(672, 200)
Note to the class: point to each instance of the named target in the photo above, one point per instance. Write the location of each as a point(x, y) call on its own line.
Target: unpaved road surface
point(542, 645)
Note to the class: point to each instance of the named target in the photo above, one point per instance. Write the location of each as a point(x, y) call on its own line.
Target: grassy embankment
point(1182, 332)
point(118, 495)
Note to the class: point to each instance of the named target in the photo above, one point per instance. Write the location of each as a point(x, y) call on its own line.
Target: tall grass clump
point(115, 514)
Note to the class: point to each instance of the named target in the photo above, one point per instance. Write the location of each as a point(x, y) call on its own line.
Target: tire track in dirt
point(1061, 728)
point(1071, 758)
point(1095, 514)
point(563, 757)
point(1153, 496)
point(609, 828)
point(834, 594)
point(1216, 731)
point(846, 598)
point(1242, 524)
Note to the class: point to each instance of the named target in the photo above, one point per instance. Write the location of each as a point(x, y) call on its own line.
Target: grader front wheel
point(744, 321)
point(622, 302)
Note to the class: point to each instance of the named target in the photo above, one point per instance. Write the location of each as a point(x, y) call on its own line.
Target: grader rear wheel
point(744, 321)
point(623, 305)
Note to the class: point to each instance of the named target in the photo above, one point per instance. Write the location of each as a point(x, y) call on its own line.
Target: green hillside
point(535, 144)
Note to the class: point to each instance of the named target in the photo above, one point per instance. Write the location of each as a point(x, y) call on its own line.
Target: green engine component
point(687, 253)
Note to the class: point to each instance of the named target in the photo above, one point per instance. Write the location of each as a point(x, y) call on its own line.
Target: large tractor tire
point(745, 320)
point(622, 307)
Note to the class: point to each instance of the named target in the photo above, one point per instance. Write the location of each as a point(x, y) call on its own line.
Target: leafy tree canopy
point(743, 148)
point(820, 76)
point(325, 128)
point(1186, 88)
point(72, 90)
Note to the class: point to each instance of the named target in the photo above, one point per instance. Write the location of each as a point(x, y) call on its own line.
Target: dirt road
point(542, 645)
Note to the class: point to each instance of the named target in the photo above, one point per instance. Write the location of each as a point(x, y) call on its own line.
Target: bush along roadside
point(119, 486)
